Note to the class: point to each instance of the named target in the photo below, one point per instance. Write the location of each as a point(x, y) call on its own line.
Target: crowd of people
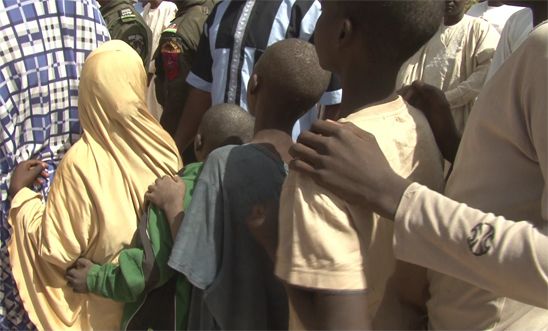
point(273, 165)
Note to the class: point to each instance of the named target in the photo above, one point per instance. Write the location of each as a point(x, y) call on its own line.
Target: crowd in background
point(247, 164)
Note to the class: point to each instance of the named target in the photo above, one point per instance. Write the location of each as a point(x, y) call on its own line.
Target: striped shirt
point(44, 44)
point(237, 33)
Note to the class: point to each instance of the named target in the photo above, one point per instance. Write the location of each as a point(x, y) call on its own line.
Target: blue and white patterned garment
point(43, 45)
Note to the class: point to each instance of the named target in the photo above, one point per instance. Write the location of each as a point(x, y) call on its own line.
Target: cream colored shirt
point(497, 16)
point(456, 60)
point(515, 32)
point(501, 167)
point(326, 243)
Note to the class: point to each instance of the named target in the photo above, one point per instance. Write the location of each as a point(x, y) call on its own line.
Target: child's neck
point(278, 140)
point(361, 90)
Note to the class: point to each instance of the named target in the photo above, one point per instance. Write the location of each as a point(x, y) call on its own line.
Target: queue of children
point(265, 234)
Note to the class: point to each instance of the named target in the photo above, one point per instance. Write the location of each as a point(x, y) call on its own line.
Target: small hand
point(168, 194)
point(435, 107)
point(25, 174)
point(77, 275)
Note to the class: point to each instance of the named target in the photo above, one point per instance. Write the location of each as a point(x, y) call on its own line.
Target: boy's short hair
point(290, 69)
point(226, 124)
point(394, 30)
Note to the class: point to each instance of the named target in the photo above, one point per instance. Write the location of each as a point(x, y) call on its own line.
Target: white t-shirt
point(496, 16)
point(516, 30)
point(455, 60)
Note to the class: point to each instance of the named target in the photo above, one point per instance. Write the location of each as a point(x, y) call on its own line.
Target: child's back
point(217, 251)
point(214, 248)
point(337, 255)
point(356, 245)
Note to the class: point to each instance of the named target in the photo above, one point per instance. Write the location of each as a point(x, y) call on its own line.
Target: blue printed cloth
point(43, 47)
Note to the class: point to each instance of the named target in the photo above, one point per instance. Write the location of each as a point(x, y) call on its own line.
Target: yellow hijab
point(96, 196)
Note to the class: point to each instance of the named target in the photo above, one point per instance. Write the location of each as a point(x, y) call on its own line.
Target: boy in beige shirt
point(492, 271)
point(338, 269)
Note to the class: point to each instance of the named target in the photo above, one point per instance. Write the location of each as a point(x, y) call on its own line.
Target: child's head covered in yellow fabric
point(96, 196)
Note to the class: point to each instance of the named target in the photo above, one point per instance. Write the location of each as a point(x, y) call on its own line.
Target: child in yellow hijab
point(96, 197)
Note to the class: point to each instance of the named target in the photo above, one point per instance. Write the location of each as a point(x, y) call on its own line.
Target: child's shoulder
point(417, 117)
point(233, 154)
point(221, 153)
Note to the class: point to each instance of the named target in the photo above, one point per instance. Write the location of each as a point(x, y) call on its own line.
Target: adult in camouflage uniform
point(125, 23)
point(174, 56)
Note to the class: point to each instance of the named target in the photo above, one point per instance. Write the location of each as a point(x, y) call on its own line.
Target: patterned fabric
point(235, 36)
point(229, 50)
point(44, 44)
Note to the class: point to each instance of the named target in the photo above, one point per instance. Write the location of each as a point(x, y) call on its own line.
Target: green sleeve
point(124, 282)
point(136, 271)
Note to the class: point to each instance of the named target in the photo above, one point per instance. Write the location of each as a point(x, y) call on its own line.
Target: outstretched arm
point(430, 230)
point(197, 103)
point(138, 269)
point(120, 282)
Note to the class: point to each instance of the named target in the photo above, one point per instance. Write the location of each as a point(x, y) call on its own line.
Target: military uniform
point(126, 24)
point(173, 58)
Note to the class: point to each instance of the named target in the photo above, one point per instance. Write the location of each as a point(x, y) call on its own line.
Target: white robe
point(456, 60)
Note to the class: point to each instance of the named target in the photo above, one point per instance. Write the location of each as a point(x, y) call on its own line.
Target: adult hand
point(77, 275)
point(432, 102)
point(350, 163)
point(25, 174)
point(168, 194)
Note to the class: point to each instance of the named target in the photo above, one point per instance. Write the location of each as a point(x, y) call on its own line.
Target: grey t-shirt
point(235, 286)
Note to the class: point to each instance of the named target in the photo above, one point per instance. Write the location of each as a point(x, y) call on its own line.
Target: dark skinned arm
point(432, 102)
point(315, 309)
point(196, 105)
point(403, 306)
point(323, 310)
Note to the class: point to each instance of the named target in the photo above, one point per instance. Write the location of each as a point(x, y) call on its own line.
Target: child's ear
point(198, 143)
point(346, 31)
point(253, 84)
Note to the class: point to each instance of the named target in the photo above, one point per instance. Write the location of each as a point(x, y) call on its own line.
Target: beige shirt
point(326, 243)
point(456, 60)
point(501, 167)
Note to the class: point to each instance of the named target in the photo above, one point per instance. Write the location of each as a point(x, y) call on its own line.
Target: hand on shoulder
point(168, 194)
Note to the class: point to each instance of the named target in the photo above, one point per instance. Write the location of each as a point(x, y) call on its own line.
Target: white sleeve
point(506, 257)
point(467, 90)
